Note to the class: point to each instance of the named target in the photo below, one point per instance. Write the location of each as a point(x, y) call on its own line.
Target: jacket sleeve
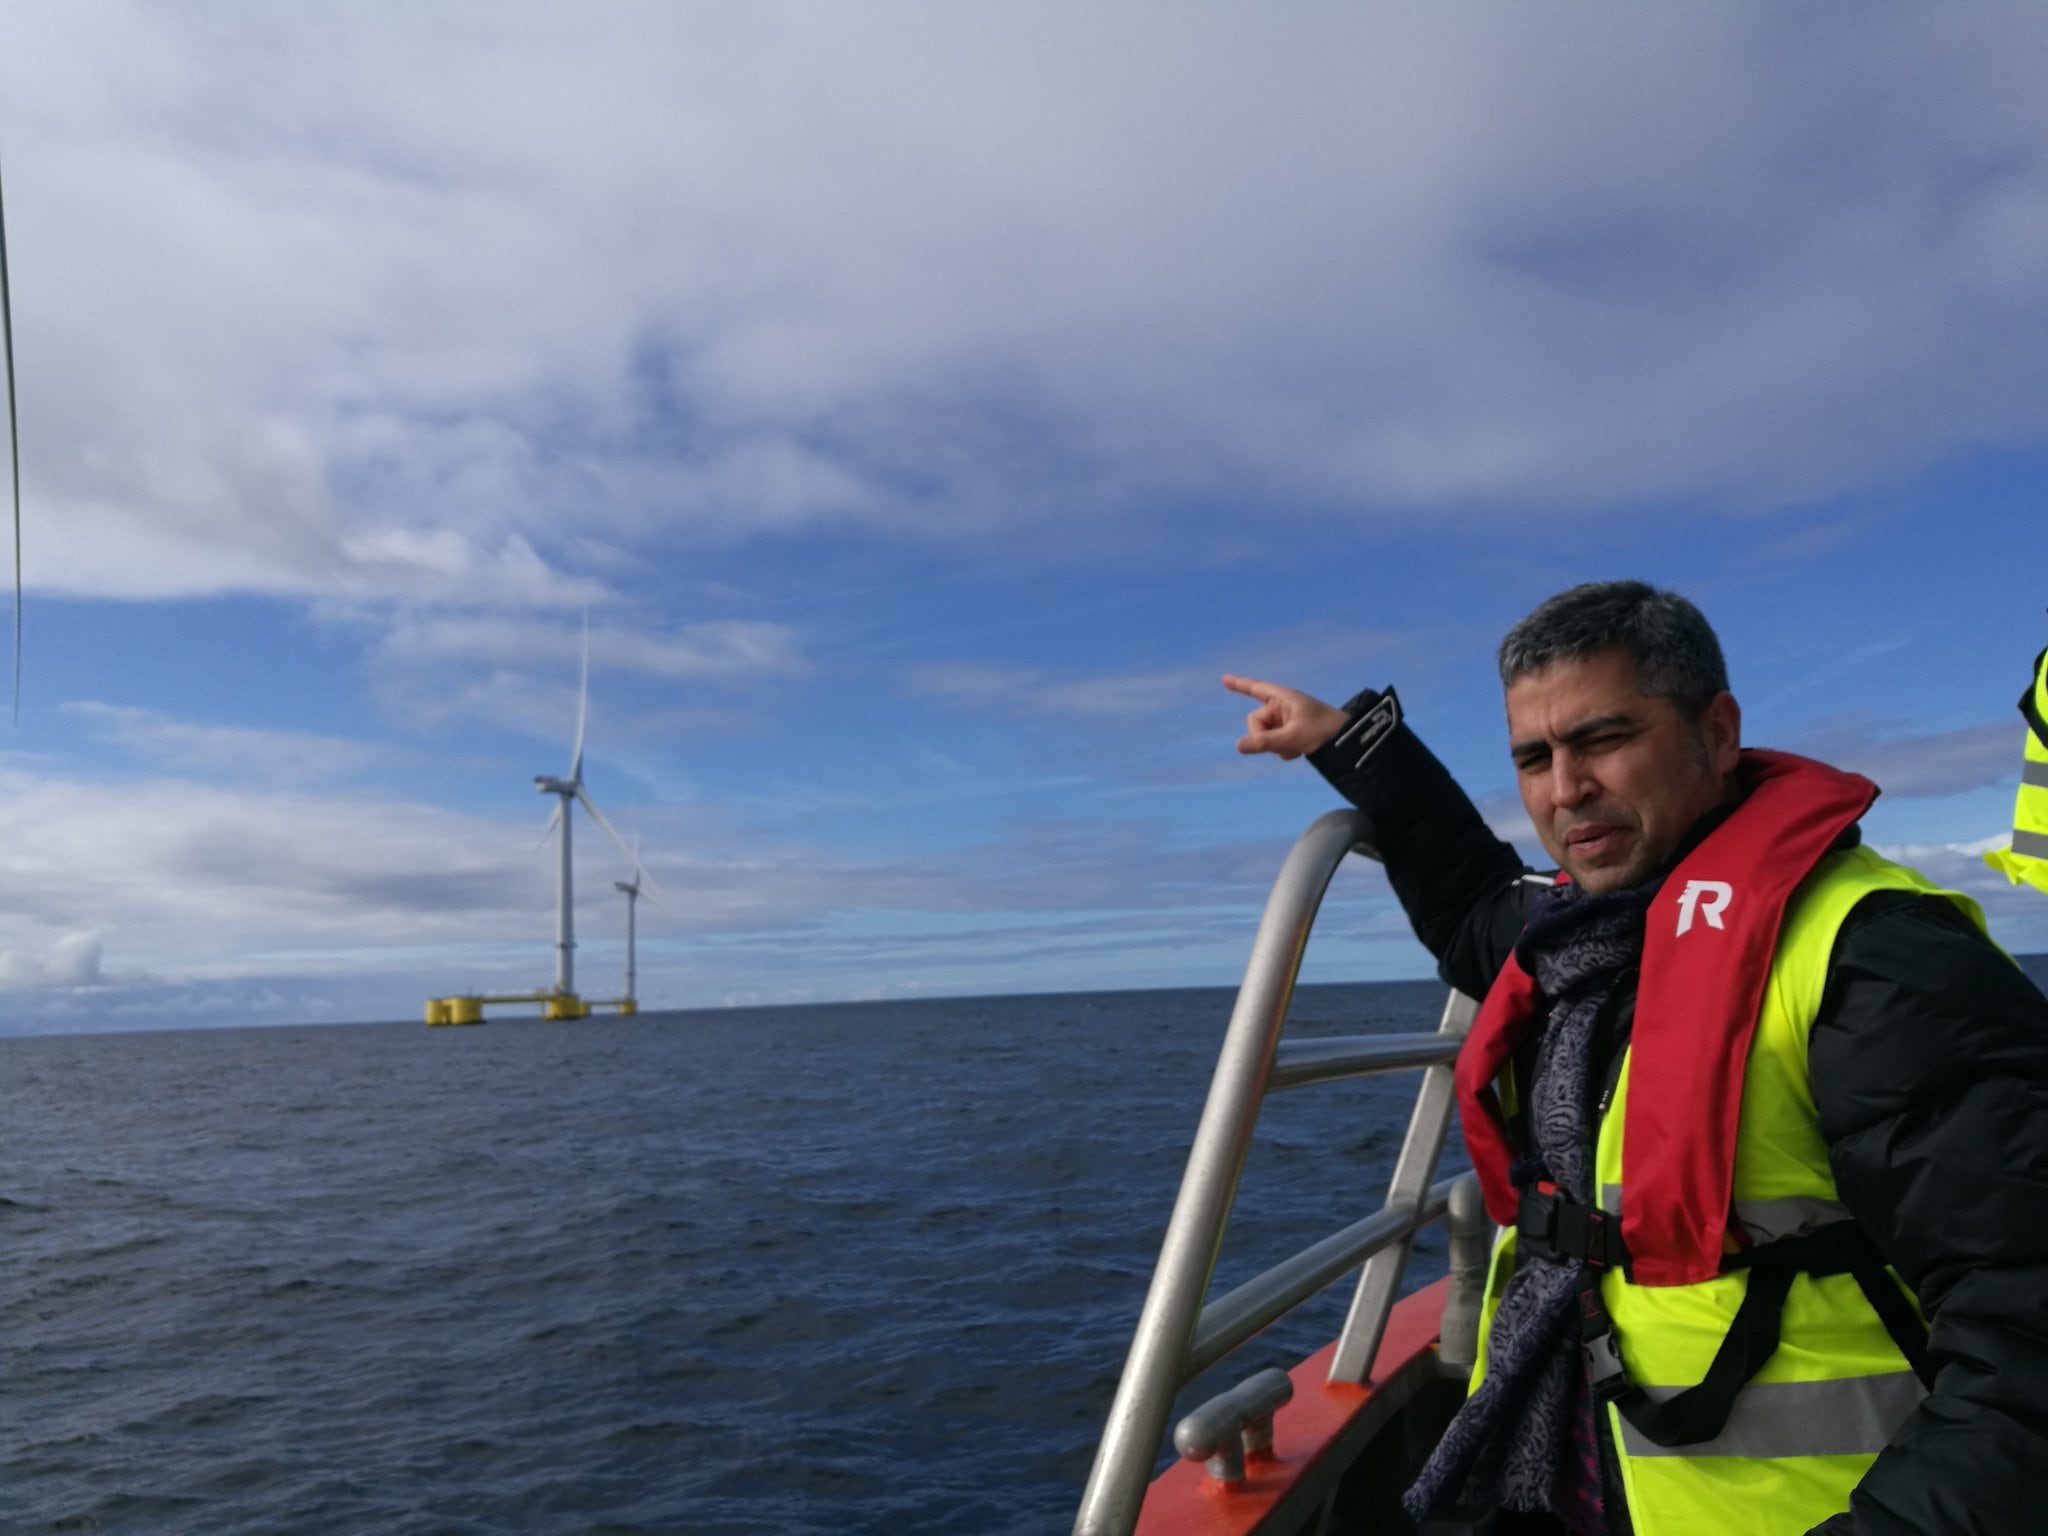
point(1930, 1072)
point(1464, 890)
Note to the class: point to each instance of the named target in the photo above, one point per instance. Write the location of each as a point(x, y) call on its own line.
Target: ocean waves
point(857, 1268)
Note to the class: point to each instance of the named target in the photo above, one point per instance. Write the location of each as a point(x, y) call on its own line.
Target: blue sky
point(925, 404)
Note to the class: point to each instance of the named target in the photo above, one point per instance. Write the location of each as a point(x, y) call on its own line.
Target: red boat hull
point(1324, 1440)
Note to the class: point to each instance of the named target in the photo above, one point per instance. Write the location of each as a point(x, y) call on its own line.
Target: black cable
point(13, 443)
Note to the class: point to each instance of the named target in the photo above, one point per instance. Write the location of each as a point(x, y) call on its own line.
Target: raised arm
point(1463, 888)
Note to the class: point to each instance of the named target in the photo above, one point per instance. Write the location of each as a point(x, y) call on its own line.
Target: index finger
point(1251, 687)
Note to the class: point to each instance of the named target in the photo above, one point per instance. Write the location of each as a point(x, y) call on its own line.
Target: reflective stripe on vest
point(1776, 1420)
point(1764, 1220)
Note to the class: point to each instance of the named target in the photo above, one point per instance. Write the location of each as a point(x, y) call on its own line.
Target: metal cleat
point(1239, 1423)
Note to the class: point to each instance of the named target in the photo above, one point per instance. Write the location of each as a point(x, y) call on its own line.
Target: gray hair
point(1670, 641)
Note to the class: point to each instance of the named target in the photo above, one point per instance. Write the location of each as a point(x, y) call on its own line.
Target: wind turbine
point(567, 789)
point(642, 884)
point(632, 891)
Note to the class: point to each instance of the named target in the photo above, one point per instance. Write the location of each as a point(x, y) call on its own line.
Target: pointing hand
point(1287, 722)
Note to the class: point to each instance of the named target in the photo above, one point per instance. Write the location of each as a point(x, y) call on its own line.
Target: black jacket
point(1929, 1062)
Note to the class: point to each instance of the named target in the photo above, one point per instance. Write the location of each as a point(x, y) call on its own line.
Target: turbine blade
point(643, 882)
point(554, 821)
point(582, 707)
point(610, 831)
point(648, 889)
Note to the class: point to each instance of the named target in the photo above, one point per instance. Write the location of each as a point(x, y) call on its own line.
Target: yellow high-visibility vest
point(2027, 858)
point(1808, 1425)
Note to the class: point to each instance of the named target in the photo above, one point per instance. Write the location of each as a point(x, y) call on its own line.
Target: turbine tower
point(566, 1003)
point(632, 891)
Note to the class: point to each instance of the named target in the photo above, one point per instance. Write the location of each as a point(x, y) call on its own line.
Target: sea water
point(854, 1268)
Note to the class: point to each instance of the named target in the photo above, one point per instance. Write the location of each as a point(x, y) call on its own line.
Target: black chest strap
point(1701, 1412)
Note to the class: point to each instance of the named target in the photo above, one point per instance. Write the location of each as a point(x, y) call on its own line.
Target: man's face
point(1613, 777)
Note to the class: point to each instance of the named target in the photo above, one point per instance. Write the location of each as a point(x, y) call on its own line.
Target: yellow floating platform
point(553, 1005)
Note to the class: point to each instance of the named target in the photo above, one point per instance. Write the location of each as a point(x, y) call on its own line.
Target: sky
point(922, 405)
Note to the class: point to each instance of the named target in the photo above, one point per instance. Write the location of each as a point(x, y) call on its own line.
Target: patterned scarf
point(1524, 1440)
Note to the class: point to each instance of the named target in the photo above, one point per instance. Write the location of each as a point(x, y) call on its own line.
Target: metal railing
point(1177, 1336)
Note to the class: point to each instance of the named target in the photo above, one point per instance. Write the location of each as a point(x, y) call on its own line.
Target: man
point(1751, 1076)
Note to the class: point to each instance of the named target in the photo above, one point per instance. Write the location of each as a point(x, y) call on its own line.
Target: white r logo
point(1711, 897)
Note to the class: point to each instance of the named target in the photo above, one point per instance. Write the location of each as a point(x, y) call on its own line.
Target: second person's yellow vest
point(2027, 858)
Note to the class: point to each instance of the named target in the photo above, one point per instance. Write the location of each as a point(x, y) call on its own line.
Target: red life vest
point(1709, 936)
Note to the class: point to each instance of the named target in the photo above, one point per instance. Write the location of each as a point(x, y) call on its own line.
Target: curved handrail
point(1177, 1337)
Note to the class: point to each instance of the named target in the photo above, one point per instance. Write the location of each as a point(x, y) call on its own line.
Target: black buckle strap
point(1908, 1331)
point(1548, 1226)
point(1839, 1248)
point(1605, 1368)
point(1700, 1412)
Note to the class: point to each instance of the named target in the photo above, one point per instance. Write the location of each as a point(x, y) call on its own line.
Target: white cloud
point(1908, 765)
point(172, 902)
point(726, 650)
point(169, 746)
point(358, 301)
point(440, 671)
point(2016, 913)
point(1107, 696)
point(405, 560)
point(186, 899)
point(70, 962)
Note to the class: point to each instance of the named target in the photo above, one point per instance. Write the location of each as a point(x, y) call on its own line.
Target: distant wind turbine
point(642, 884)
point(632, 890)
point(567, 789)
